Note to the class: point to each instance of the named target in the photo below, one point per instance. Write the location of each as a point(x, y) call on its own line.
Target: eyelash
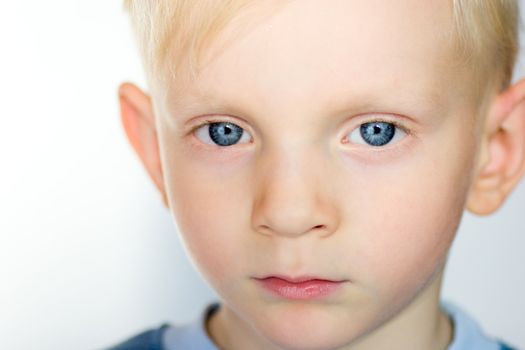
point(396, 125)
point(213, 121)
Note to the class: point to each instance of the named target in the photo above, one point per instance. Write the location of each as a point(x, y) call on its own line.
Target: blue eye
point(222, 134)
point(376, 134)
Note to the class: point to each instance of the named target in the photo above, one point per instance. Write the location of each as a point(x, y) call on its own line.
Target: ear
point(138, 120)
point(502, 160)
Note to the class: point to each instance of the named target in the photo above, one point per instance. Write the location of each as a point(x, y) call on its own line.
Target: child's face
point(299, 191)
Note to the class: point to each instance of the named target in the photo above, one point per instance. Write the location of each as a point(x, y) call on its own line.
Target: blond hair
point(487, 37)
point(171, 34)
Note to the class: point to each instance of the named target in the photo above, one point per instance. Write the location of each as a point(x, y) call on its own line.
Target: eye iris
point(377, 133)
point(225, 134)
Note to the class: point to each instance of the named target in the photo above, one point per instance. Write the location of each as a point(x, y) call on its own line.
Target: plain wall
point(88, 254)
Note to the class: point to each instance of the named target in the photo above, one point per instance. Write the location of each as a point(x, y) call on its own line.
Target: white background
point(88, 255)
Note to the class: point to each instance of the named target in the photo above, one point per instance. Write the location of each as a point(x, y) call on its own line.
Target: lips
point(300, 288)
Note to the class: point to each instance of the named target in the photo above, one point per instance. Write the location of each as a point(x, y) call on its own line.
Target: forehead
point(334, 52)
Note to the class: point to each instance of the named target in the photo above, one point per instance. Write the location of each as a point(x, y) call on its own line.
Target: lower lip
point(306, 290)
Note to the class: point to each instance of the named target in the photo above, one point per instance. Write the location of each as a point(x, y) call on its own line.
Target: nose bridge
point(292, 196)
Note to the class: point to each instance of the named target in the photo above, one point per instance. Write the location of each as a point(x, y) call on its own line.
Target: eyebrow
point(402, 101)
point(196, 102)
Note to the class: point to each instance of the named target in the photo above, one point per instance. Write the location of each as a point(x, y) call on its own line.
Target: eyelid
point(213, 119)
point(382, 119)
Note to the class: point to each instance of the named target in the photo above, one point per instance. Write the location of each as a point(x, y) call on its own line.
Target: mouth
point(300, 288)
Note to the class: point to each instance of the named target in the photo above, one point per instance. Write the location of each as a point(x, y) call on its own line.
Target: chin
point(308, 329)
point(302, 341)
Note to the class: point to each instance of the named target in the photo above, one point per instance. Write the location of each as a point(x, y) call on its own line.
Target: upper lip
point(299, 279)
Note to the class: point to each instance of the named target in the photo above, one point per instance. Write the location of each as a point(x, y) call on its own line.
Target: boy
point(317, 157)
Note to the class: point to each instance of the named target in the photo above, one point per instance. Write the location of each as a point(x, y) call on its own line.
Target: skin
point(302, 197)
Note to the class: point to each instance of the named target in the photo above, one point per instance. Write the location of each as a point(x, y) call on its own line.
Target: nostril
point(319, 226)
point(265, 229)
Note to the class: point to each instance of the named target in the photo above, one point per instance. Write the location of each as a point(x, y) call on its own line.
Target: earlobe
point(502, 160)
point(138, 120)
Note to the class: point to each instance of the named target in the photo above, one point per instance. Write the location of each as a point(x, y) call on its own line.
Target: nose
point(294, 197)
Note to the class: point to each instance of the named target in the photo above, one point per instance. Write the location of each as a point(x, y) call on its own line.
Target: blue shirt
point(467, 335)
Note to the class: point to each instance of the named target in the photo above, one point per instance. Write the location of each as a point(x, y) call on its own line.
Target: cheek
point(411, 242)
point(209, 208)
point(409, 231)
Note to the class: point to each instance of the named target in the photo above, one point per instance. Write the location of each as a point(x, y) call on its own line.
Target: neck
point(420, 325)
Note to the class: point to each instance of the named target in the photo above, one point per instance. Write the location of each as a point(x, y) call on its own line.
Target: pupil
point(377, 129)
point(227, 130)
